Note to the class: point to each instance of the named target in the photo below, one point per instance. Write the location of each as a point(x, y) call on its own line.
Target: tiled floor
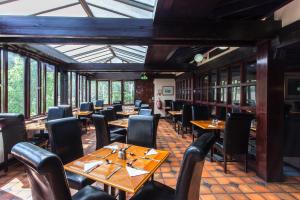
point(215, 184)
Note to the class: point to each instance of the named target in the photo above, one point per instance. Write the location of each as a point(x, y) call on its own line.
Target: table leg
point(122, 195)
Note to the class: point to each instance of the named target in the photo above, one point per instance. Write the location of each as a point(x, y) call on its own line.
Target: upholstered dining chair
point(184, 121)
point(236, 137)
point(103, 135)
point(99, 103)
point(47, 178)
point(199, 112)
point(189, 179)
point(146, 112)
point(65, 141)
point(137, 104)
point(55, 113)
point(141, 131)
point(67, 110)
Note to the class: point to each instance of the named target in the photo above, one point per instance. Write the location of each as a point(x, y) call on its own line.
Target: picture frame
point(168, 90)
point(292, 86)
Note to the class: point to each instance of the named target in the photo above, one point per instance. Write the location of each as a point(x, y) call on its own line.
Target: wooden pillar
point(269, 111)
point(27, 88)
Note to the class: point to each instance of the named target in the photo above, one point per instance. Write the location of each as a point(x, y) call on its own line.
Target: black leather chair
point(65, 140)
point(236, 137)
point(110, 114)
point(86, 106)
point(141, 131)
point(55, 113)
point(184, 121)
point(145, 106)
point(47, 178)
point(67, 110)
point(189, 179)
point(147, 112)
point(156, 122)
point(137, 104)
point(222, 114)
point(117, 107)
point(99, 103)
point(103, 135)
point(13, 131)
point(199, 112)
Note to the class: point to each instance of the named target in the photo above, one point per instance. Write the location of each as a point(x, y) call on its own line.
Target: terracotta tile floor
point(215, 184)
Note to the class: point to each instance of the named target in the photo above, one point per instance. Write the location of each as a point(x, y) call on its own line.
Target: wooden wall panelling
point(144, 90)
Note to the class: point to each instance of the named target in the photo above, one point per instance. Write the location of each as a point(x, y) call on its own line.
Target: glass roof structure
point(88, 8)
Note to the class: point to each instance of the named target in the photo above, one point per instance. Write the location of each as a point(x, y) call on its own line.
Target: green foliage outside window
point(116, 91)
point(49, 86)
point(33, 87)
point(103, 91)
point(129, 92)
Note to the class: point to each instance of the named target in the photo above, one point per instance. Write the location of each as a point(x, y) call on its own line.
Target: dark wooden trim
point(39, 87)
point(27, 88)
point(5, 79)
point(32, 29)
point(55, 86)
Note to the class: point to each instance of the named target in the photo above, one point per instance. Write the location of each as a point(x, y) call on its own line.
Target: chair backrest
point(176, 105)
point(236, 134)
point(118, 107)
point(145, 106)
point(86, 106)
point(141, 131)
point(67, 110)
point(189, 179)
point(102, 134)
point(110, 114)
point(222, 114)
point(65, 138)
point(45, 172)
point(200, 112)
point(137, 103)
point(117, 102)
point(186, 115)
point(13, 129)
point(55, 113)
point(100, 103)
point(147, 112)
point(236, 109)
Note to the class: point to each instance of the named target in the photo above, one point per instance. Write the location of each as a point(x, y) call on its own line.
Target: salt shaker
point(122, 154)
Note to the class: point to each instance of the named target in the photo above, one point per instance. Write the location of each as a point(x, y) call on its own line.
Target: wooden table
point(175, 113)
point(120, 122)
point(98, 108)
point(83, 113)
point(128, 113)
point(121, 179)
point(35, 126)
point(207, 124)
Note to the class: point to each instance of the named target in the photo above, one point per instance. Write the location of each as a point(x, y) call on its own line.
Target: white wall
point(288, 13)
point(158, 84)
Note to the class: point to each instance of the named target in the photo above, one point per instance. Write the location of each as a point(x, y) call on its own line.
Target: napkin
point(92, 165)
point(112, 147)
point(151, 152)
point(211, 126)
point(135, 172)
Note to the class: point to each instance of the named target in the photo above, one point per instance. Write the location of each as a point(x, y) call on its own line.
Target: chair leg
point(225, 163)
point(212, 154)
point(5, 162)
point(246, 162)
point(193, 137)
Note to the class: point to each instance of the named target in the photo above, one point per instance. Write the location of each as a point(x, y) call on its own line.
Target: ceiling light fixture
point(198, 58)
point(223, 48)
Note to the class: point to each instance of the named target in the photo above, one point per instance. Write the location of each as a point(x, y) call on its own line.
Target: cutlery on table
point(113, 172)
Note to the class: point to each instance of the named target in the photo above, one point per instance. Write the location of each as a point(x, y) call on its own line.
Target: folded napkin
point(211, 126)
point(135, 172)
point(151, 152)
point(112, 147)
point(88, 167)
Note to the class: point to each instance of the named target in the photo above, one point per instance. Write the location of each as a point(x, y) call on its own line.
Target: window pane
point(250, 95)
point(103, 91)
point(16, 65)
point(93, 91)
point(235, 95)
point(251, 72)
point(73, 89)
point(129, 92)
point(49, 86)
point(115, 91)
point(223, 95)
point(33, 87)
point(223, 77)
point(83, 89)
point(235, 75)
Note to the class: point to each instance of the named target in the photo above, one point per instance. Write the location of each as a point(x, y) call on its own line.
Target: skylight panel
point(72, 11)
point(104, 13)
point(84, 50)
point(92, 53)
point(102, 53)
point(66, 48)
point(130, 50)
point(116, 60)
point(147, 2)
point(31, 7)
point(95, 57)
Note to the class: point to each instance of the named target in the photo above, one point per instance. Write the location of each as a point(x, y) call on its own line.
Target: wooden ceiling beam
point(125, 67)
point(31, 29)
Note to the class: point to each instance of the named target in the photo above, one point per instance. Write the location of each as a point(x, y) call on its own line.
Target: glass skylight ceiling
point(99, 9)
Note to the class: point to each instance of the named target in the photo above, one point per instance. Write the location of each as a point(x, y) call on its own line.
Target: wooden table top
point(121, 178)
point(127, 113)
point(207, 124)
point(120, 122)
point(174, 113)
point(83, 113)
point(98, 108)
point(35, 126)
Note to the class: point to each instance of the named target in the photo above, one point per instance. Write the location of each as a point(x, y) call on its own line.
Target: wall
point(158, 84)
point(288, 13)
point(144, 90)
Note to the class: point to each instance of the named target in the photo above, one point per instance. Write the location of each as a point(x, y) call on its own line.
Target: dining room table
point(126, 173)
point(123, 123)
point(97, 108)
point(175, 114)
point(127, 113)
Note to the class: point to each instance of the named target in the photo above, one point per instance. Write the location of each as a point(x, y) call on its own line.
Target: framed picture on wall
point(292, 86)
point(168, 90)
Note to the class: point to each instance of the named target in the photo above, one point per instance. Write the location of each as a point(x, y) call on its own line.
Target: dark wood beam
point(31, 29)
point(125, 67)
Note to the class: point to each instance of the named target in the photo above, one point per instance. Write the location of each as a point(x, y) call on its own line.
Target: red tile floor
point(215, 184)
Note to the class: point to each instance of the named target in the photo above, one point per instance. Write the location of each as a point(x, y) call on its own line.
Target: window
point(251, 72)
point(116, 91)
point(16, 66)
point(50, 69)
point(33, 87)
point(235, 81)
point(93, 91)
point(223, 82)
point(103, 92)
point(73, 92)
point(129, 92)
point(58, 88)
point(250, 95)
point(83, 88)
point(213, 89)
